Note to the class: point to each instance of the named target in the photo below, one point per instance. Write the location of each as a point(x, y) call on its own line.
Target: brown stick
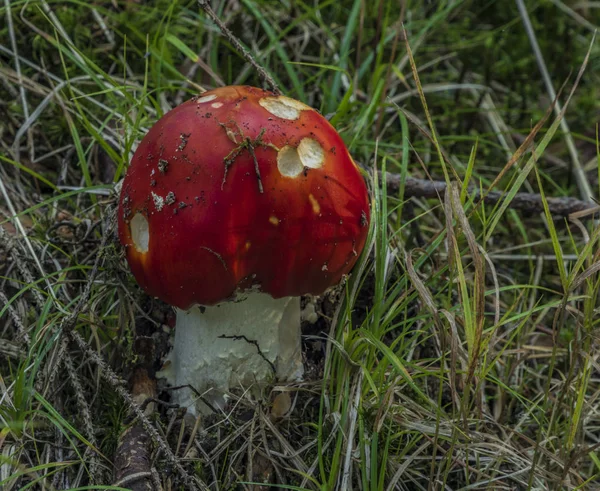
point(526, 202)
point(133, 464)
point(133, 468)
point(262, 73)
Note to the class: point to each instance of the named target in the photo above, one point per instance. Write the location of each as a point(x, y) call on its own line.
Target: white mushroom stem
point(234, 345)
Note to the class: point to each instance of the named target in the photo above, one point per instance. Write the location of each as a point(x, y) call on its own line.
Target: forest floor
point(463, 351)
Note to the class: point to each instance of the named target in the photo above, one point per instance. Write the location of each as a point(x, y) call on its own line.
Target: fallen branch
point(108, 374)
point(133, 462)
point(526, 202)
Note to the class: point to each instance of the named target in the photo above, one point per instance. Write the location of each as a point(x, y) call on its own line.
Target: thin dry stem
point(263, 74)
point(526, 202)
point(578, 172)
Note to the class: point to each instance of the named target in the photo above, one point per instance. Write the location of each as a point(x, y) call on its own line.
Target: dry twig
point(118, 385)
point(133, 463)
point(262, 73)
point(525, 202)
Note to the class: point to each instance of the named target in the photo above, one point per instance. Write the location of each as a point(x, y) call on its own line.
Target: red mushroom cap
point(241, 189)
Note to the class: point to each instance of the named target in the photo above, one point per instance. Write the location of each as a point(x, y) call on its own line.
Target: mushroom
point(235, 204)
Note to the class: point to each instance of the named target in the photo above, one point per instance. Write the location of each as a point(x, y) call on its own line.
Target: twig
point(106, 371)
point(86, 415)
point(19, 226)
point(133, 458)
point(118, 386)
point(262, 73)
point(526, 202)
point(575, 16)
point(68, 322)
point(22, 334)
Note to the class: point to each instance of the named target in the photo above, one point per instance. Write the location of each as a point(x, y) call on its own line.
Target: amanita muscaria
point(235, 204)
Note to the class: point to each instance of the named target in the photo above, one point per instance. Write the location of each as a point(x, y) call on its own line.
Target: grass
point(463, 351)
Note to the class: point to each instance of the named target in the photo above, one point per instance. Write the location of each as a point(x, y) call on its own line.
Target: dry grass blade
point(453, 201)
point(424, 294)
point(22, 334)
point(522, 176)
point(28, 244)
point(580, 177)
point(584, 275)
point(393, 483)
point(346, 475)
point(13, 41)
point(86, 415)
point(287, 449)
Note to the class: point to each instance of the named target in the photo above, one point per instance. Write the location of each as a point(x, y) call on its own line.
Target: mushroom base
point(236, 345)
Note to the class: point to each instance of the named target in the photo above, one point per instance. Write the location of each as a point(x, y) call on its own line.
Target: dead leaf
point(281, 405)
